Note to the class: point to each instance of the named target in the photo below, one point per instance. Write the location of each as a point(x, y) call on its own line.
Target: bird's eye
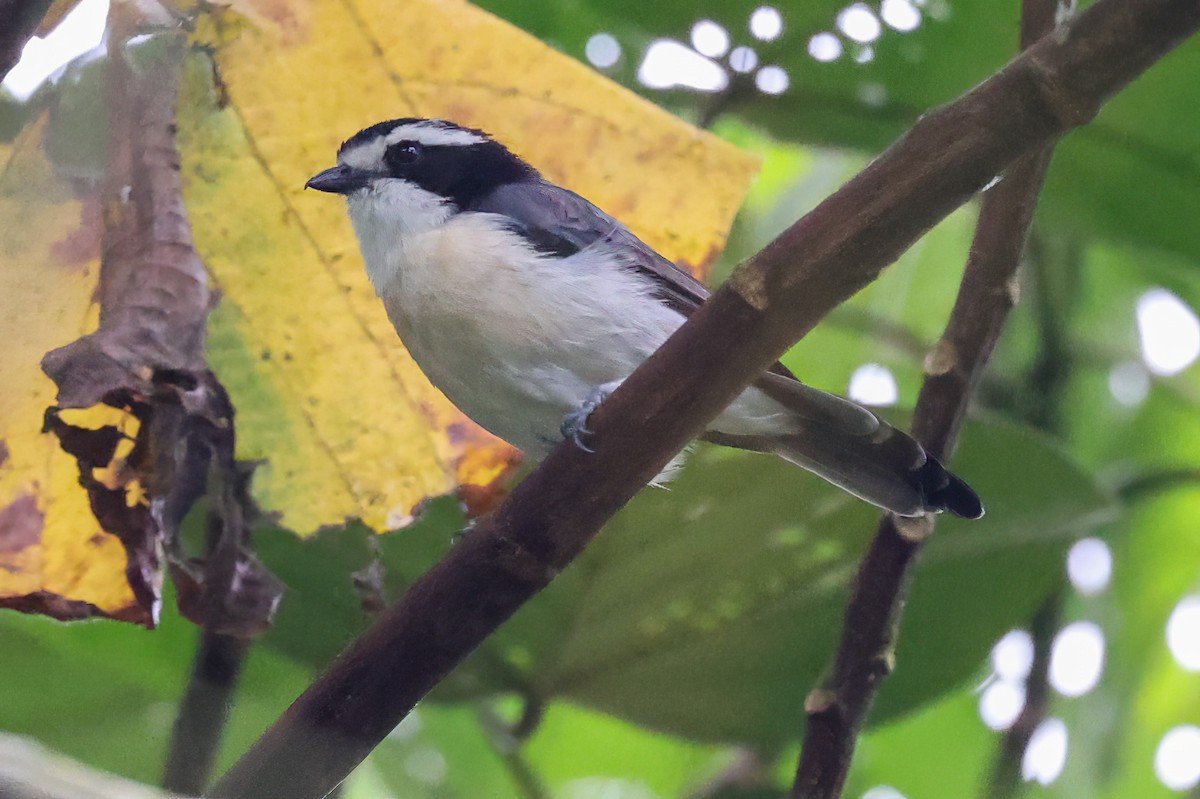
point(403, 153)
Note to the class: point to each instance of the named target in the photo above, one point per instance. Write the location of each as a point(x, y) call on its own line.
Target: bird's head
point(433, 157)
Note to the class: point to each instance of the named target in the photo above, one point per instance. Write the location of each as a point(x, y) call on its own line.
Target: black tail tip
point(946, 491)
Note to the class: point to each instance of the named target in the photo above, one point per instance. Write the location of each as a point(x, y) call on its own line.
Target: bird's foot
point(574, 424)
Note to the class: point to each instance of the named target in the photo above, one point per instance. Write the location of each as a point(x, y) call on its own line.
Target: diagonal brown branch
point(865, 654)
point(769, 303)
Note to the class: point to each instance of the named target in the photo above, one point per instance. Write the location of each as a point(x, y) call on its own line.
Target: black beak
point(340, 179)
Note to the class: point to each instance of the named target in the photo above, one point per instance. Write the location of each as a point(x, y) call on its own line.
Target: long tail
point(852, 448)
point(888, 469)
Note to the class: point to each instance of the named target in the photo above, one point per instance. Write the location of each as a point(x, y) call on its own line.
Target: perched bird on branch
point(527, 305)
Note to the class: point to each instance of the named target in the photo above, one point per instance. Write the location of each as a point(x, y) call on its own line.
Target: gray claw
point(574, 424)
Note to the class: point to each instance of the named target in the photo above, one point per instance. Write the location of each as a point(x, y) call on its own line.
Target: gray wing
point(558, 221)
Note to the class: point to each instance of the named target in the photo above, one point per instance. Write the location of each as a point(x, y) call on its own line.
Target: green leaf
point(575, 747)
point(323, 609)
point(442, 751)
point(106, 692)
point(710, 610)
point(944, 750)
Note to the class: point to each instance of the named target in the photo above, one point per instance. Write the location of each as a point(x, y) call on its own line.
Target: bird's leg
point(574, 424)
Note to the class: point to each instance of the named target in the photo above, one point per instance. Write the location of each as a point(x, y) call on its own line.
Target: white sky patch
point(1129, 383)
point(771, 80)
point(743, 59)
point(873, 95)
point(1089, 566)
point(900, 15)
point(766, 23)
point(883, 792)
point(938, 9)
point(1183, 633)
point(426, 765)
point(1177, 759)
point(80, 31)
point(825, 47)
point(603, 50)
point(605, 788)
point(1012, 656)
point(872, 384)
point(1169, 330)
point(669, 63)
point(859, 23)
point(710, 39)
point(865, 55)
point(407, 728)
point(1077, 658)
point(1001, 704)
point(1046, 753)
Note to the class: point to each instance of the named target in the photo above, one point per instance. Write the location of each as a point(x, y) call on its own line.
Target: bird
point(526, 306)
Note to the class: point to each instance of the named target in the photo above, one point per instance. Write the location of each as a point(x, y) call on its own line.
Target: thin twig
point(1152, 483)
point(748, 771)
point(880, 329)
point(768, 304)
point(866, 652)
point(507, 740)
point(1053, 280)
point(1054, 268)
point(196, 736)
point(1006, 780)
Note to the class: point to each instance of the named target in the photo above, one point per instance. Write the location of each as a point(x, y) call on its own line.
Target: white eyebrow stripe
point(367, 156)
point(434, 135)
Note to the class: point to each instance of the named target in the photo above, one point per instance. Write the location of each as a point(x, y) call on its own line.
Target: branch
point(866, 653)
point(18, 21)
point(196, 736)
point(1006, 781)
point(748, 772)
point(506, 741)
point(1152, 483)
point(769, 303)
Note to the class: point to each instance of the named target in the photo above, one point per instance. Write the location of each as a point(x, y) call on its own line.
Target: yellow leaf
point(54, 557)
point(325, 393)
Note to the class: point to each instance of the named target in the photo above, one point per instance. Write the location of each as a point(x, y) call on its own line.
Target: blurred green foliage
point(684, 640)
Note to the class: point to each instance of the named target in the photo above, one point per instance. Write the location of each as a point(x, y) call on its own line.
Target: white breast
point(513, 339)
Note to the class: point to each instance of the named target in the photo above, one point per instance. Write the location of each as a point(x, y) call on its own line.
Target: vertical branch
point(1005, 781)
point(866, 652)
point(1053, 272)
point(506, 740)
point(203, 712)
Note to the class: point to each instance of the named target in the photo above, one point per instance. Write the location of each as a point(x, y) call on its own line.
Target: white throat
point(387, 217)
